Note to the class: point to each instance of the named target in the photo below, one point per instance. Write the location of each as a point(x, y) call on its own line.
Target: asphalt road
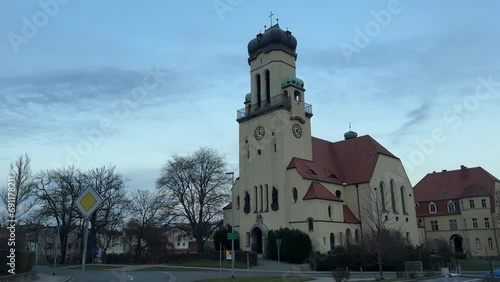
point(124, 275)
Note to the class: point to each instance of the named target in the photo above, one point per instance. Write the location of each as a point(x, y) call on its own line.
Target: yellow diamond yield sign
point(88, 201)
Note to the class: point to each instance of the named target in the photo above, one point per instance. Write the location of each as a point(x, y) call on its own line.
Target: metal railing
point(275, 102)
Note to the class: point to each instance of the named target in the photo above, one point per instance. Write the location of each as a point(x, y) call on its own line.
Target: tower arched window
point(310, 224)
point(297, 96)
point(256, 199)
point(238, 202)
point(268, 86)
point(295, 194)
point(267, 198)
point(451, 206)
point(432, 208)
point(259, 93)
point(382, 196)
point(330, 212)
point(356, 236)
point(261, 198)
point(402, 190)
point(393, 198)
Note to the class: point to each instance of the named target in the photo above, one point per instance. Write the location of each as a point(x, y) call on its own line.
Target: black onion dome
point(273, 39)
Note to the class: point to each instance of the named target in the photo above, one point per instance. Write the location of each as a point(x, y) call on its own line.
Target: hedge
point(295, 245)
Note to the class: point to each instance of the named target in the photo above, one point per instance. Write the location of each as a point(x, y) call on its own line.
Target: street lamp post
point(232, 221)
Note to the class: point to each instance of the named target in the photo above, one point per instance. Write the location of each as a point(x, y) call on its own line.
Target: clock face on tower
point(259, 133)
point(296, 130)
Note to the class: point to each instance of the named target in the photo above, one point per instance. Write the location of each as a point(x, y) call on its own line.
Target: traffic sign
point(232, 236)
point(88, 201)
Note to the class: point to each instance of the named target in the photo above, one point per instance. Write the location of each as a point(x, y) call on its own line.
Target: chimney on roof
point(463, 170)
point(434, 172)
point(444, 170)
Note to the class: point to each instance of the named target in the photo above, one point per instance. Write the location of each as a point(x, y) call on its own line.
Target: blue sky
point(424, 82)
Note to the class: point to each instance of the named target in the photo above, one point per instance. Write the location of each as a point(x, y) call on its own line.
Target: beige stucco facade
point(469, 223)
point(274, 128)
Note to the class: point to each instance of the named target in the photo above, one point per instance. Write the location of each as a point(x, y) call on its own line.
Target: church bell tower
point(274, 127)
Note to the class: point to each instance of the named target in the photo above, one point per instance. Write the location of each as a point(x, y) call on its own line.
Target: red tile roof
point(441, 187)
point(349, 217)
point(349, 161)
point(227, 207)
point(318, 191)
point(454, 184)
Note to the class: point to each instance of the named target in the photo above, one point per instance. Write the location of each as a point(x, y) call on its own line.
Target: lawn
point(213, 264)
point(95, 267)
point(168, 268)
point(192, 265)
point(257, 279)
point(476, 265)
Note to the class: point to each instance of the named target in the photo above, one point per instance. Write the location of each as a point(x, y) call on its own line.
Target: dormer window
point(432, 208)
point(311, 172)
point(451, 206)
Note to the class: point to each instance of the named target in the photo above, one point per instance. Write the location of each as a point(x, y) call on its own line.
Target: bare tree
point(148, 211)
point(377, 219)
point(19, 194)
point(58, 191)
point(110, 186)
point(199, 188)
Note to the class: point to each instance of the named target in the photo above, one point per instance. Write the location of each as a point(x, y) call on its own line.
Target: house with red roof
point(287, 178)
point(459, 206)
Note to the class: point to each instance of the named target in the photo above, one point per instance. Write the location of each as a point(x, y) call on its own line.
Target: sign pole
point(85, 239)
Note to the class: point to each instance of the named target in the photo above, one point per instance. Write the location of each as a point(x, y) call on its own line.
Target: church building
point(287, 178)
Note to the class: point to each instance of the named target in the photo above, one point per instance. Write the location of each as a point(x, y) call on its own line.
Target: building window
point(486, 222)
point(275, 147)
point(256, 199)
point(338, 194)
point(490, 243)
point(483, 203)
point(332, 241)
point(257, 85)
point(408, 237)
point(310, 224)
point(330, 212)
point(393, 199)
point(267, 198)
point(472, 204)
point(465, 223)
point(403, 201)
point(261, 198)
point(356, 236)
point(432, 208)
point(478, 244)
point(248, 239)
point(268, 86)
point(238, 202)
point(453, 224)
point(382, 195)
point(295, 194)
point(474, 223)
point(434, 225)
point(451, 206)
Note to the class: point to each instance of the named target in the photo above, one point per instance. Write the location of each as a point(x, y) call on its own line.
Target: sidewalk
point(51, 278)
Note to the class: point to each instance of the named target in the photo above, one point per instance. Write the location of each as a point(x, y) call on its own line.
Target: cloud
point(56, 105)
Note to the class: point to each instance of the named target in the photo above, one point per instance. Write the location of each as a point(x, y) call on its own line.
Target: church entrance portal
point(257, 240)
point(458, 243)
